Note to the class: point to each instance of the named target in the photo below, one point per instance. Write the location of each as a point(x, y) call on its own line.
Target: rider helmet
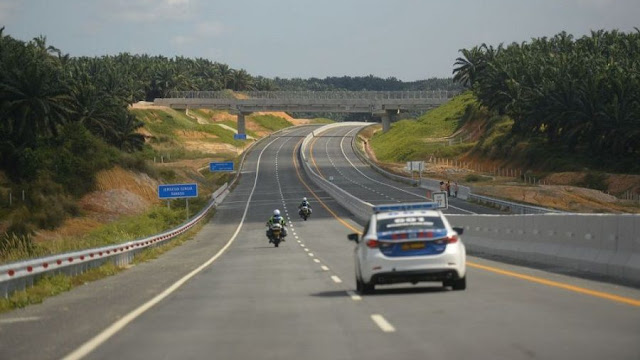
point(276, 212)
point(304, 199)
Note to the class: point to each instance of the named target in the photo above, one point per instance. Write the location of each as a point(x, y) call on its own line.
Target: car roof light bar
point(406, 207)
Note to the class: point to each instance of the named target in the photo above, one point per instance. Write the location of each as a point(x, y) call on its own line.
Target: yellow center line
point(295, 164)
point(576, 289)
point(560, 285)
point(313, 159)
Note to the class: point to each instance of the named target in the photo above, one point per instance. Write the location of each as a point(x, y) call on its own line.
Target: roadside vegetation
point(552, 111)
point(48, 286)
point(271, 122)
point(564, 96)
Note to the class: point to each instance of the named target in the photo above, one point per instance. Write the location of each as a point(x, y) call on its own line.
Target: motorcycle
point(305, 212)
point(276, 234)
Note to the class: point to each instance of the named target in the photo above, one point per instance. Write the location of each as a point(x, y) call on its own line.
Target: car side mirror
point(458, 229)
point(353, 237)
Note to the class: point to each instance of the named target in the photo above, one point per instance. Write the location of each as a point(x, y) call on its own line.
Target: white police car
point(409, 243)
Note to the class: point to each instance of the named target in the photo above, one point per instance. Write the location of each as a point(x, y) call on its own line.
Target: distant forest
point(45, 92)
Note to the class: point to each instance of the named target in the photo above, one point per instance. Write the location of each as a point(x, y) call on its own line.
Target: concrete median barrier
point(600, 244)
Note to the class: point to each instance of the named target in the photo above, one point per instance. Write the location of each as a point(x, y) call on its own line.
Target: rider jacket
point(304, 203)
point(276, 219)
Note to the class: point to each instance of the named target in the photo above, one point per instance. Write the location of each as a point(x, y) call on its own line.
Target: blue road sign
point(221, 166)
point(174, 191)
point(239, 136)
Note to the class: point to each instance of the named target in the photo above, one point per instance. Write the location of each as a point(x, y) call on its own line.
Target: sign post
point(177, 191)
point(416, 166)
point(221, 166)
point(441, 198)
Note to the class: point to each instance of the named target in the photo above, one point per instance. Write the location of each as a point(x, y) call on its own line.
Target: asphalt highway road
point(254, 301)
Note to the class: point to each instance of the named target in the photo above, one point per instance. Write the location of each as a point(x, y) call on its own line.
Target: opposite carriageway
point(385, 104)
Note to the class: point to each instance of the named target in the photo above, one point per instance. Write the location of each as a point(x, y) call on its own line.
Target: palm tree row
point(42, 90)
point(581, 93)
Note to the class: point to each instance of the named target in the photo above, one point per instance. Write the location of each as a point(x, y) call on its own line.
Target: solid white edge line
point(354, 296)
point(382, 323)
point(86, 348)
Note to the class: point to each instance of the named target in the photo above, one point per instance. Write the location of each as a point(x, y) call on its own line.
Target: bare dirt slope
point(558, 190)
point(121, 192)
point(118, 193)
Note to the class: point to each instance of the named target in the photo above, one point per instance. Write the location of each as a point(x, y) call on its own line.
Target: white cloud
point(149, 10)
point(199, 33)
point(180, 41)
point(209, 29)
point(7, 10)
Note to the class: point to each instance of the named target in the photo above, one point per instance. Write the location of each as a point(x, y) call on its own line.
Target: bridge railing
point(316, 95)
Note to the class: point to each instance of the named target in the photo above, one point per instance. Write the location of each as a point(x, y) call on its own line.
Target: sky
point(407, 39)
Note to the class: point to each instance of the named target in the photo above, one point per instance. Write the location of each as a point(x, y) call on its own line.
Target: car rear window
point(409, 222)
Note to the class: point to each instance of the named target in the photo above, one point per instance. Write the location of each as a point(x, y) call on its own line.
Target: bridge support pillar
point(387, 117)
point(241, 122)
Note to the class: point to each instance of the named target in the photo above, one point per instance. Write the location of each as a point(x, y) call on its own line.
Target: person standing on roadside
point(448, 188)
point(455, 188)
point(442, 186)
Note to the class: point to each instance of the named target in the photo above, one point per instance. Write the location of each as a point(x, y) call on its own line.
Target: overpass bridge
point(383, 104)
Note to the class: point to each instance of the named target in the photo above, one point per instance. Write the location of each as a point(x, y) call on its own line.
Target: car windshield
point(410, 222)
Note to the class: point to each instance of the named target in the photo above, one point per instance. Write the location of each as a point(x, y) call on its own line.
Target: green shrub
point(15, 246)
point(594, 180)
point(472, 178)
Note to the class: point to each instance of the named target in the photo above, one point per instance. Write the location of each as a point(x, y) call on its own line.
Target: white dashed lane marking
point(336, 279)
point(353, 295)
point(382, 323)
point(324, 268)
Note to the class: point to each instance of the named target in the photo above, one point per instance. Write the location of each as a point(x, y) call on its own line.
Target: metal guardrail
point(22, 274)
point(316, 95)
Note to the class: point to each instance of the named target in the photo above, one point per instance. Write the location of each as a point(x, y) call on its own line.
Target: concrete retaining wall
point(600, 244)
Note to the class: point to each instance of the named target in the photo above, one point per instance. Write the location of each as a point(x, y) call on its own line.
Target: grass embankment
point(220, 117)
point(469, 144)
point(410, 140)
point(48, 286)
point(155, 221)
point(271, 122)
point(166, 126)
point(322, 121)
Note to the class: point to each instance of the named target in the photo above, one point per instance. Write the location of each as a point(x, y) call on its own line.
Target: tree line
point(582, 94)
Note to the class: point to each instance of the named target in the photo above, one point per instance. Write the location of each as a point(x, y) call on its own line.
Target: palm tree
point(468, 66)
point(35, 99)
point(225, 73)
point(242, 80)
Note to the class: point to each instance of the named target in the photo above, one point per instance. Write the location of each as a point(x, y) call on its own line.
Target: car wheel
point(362, 287)
point(368, 288)
point(459, 284)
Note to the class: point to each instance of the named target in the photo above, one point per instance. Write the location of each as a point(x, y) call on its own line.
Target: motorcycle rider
point(276, 219)
point(304, 203)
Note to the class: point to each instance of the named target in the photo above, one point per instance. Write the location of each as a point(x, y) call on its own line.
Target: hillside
point(179, 147)
point(461, 141)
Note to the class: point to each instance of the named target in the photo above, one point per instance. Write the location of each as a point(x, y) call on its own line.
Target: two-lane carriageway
point(231, 295)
